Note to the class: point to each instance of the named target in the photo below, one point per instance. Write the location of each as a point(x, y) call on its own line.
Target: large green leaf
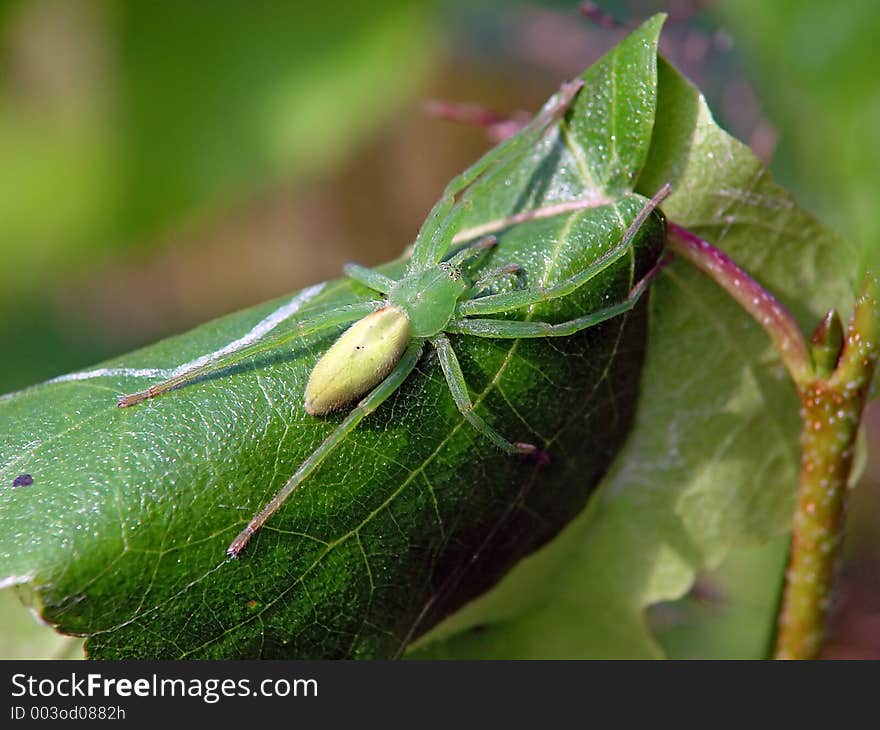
point(121, 536)
point(712, 460)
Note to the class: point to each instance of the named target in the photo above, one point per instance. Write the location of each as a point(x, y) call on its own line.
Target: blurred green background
point(162, 163)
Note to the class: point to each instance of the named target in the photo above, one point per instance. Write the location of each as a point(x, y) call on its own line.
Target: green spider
point(434, 297)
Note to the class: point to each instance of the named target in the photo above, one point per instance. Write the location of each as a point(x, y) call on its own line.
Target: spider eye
point(453, 271)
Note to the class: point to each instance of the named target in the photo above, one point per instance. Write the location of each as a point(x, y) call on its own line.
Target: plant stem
point(833, 396)
point(831, 410)
point(750, 295)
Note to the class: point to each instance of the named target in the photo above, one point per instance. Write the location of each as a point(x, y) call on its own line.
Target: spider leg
point(439, 228)
point(369, 404)
point(370, 278)
point(508, 301)
point(473, 250)
point(307, 326)
point(458, 387)
point(492, 275)
point(514, 329)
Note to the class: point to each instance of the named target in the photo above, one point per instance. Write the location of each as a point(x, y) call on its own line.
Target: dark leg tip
point(240, 542)
point(533, 453)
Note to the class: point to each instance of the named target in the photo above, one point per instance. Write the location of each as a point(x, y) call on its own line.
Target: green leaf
point(121, 535)
point(712, 460)
point(729, 613)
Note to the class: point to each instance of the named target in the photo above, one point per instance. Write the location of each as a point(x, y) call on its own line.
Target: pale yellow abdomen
point(358, 361)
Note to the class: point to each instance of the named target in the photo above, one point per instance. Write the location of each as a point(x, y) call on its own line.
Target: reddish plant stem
point(750, 295)
point(832, 397)
point(601, 18)
point(497, 127)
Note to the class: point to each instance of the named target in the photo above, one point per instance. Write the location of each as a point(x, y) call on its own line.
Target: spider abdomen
point(358, 361)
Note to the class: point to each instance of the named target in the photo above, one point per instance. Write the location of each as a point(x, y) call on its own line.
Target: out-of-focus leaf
point(814, 68)
point(730, 612)
point(232, 97)
point(168, 112)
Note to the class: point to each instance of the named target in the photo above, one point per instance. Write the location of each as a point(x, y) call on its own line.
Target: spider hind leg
point(458, 387)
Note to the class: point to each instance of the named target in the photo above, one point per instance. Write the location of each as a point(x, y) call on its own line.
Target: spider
point(435, 297)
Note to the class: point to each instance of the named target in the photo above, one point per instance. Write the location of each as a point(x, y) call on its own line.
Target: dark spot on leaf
point(23, 480)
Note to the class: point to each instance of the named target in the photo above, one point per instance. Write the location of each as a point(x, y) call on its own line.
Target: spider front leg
point(324, 320)
point(509, 301)
point(370, 403)
point(436, 234)
point(370, 278)
point(492, 276)
point(458, 387)
point(513, 329)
